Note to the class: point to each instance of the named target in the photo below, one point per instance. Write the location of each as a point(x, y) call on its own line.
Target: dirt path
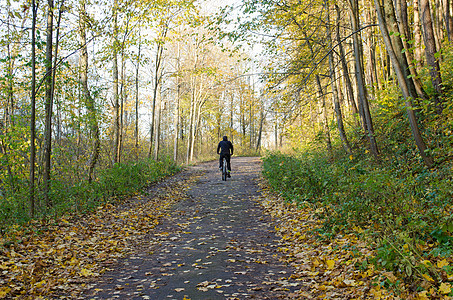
point(217, 244)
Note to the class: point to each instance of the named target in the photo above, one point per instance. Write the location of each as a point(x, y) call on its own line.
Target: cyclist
point(223, 149)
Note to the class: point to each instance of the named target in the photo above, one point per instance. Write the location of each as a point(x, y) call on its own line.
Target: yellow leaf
point(445, 288)
point(442, 263)
point(40, 284)
point(376, 293)
point(330, 264)
point(422, 296)
point(86, 272)
point(316, 262)
point(427, 263)
point(4, 291)
point(427, 277)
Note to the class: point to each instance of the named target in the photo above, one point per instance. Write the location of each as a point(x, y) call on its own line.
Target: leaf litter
point(69, 256)
point(61, 256)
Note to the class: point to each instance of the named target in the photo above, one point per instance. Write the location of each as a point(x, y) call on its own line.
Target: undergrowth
point(402, 208)
point(118, 182)
point(406, 215)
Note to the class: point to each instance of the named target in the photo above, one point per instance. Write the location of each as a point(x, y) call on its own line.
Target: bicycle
point(224, 170)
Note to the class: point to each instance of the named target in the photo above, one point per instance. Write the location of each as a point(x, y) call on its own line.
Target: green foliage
point(402, 210)
point(118, 182)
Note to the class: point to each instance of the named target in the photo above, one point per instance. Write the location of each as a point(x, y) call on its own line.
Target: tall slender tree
point(87, 98)
point(431, 52)
point(34, 9)
point(48, 103)
point(404, 88)
point(361, 87)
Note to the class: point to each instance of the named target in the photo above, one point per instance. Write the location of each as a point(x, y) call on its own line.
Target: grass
point(406, 214)
point(121, 181)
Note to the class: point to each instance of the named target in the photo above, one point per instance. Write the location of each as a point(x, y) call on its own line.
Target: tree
point(116, 104)
point(158, 71)
point(402, 82)
point(34, 8)
point(333, 79)
point(363, 96)
point(87, 98)
point(431, 52)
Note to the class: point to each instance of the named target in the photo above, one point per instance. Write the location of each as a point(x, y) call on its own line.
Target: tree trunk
point(122, 95)
point(115, 82)
point(369, 47)
point(157, 126)
point(401, 79)
point(325, 121)
point(403, 26)
point(177, 103)
point(333, 80)
point(448, 21)
point(48, 104)
point(157, 80)
point(88, 100)
point(349, 89)
point(397, 44)
point(33, 112)
point(418, 55)
point(137, 149)
point(189, 132)
point(359, 76)
point(197, 128)
point(231, 117)
point(276, 131)
point(155, 87)
point(436, 15)
point(260, 132)
point(430, 52)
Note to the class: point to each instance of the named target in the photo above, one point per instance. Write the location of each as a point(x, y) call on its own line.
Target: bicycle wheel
point(224, 169)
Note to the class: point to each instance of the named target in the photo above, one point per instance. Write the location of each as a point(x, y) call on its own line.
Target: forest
point(93, 91)
point(350, 104)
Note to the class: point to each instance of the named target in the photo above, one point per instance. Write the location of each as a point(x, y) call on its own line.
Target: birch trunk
point(137, 148)
point(177, 103)
point(115, 82)
point(418, 55)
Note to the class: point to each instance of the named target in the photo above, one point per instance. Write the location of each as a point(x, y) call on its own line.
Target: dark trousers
point(227, 156)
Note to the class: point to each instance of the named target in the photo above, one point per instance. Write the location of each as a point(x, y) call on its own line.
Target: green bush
point(397, 208)
point(120, 181)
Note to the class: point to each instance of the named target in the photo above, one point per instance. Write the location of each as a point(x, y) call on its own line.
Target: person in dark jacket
point(225, 149)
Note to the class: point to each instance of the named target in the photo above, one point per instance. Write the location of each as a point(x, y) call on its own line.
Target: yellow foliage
point(442, 263)
point(428, 278)
point(330, 264)
point(445, 288)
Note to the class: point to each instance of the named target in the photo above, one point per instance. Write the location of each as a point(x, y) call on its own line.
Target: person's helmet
point(225, 138)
